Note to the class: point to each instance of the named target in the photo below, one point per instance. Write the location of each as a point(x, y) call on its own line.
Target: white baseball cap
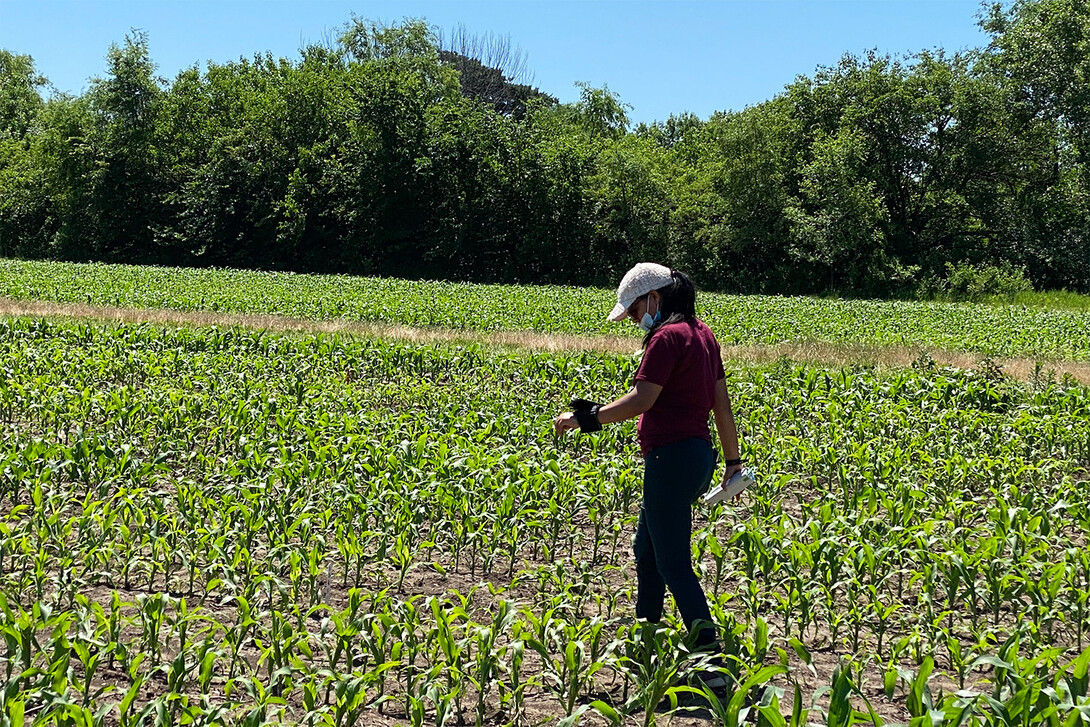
point(636, 283)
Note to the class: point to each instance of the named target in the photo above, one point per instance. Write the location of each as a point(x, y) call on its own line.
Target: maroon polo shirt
point(684, 359)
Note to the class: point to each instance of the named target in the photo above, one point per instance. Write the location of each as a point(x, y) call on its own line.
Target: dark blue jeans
point(674, 476)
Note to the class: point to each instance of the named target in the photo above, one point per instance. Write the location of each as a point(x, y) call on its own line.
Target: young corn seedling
point(882, 615)
point(1078, 572)
point(238, 635)
point(735, 709)
point(452, 650)
point(841, 712)
point(488, 656)
point(566, 667)
point(380, 638)
point(653, 662)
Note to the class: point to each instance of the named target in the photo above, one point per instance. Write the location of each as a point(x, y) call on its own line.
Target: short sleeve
point(659, 359)
point(717, 361)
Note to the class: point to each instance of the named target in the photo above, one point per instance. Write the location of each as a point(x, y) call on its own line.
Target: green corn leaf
point(889, 682)
point(130, 695)
point(798, 713)
point(612, 715)
point(15, 710)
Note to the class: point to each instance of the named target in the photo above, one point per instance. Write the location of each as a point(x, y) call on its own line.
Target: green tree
point(728, 188)
point(630, 194)
point(385, 152)
point(835, 224)
point(1040, 53)
point(380, 176)
point(601, 112)
point(1042, 49)
point(20, 96)
point(122, 188)
point(24, 209)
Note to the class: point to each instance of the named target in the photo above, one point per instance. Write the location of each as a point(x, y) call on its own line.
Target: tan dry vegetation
point(817, 352)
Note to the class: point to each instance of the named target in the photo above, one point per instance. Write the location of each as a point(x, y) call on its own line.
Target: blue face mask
point(647, 322)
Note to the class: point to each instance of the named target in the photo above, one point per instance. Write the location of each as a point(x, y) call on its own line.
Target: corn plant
point(217, 523)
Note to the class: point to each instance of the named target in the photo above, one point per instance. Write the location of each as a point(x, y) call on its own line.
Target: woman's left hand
point(564, 422)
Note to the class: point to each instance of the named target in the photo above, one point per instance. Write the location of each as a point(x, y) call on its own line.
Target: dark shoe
point(713, 680)
point(713, 675)
point(689, 701)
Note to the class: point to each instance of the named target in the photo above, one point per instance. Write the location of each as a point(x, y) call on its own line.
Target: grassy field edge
point(816, 353)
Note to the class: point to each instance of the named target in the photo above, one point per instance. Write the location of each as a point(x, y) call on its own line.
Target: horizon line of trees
point(387, 152)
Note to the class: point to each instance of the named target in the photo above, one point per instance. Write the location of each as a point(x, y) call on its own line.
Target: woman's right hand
point(564, 422)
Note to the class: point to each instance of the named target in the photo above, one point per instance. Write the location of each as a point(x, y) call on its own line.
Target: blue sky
point(661, 56)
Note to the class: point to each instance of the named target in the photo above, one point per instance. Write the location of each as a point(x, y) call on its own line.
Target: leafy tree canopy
point(393, 150)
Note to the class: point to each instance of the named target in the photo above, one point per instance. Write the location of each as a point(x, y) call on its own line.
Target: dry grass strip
point(817, 352)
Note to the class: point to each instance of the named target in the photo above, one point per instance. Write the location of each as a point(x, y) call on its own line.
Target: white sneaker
point(738, 482)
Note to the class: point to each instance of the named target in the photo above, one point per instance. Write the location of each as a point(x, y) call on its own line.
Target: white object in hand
point(739, 481)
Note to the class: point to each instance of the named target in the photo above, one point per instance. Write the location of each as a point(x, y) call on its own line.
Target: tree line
point(385, 152)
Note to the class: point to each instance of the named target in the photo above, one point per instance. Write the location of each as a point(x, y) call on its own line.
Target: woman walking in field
point(678, 382)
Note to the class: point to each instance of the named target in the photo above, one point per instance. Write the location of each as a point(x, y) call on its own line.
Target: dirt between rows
point(817, 352)
point(540, 706)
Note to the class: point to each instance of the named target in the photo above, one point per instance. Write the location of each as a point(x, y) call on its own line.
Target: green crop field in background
point(208, 524)
point(995, 330)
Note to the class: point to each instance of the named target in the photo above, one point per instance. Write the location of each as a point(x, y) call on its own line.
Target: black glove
point(586, 413)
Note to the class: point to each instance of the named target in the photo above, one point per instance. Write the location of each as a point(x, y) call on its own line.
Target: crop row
point(762, 320)
point(212, 522)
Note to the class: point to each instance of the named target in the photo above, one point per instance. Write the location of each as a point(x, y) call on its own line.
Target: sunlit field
point(204, 524)
point(994, 330)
